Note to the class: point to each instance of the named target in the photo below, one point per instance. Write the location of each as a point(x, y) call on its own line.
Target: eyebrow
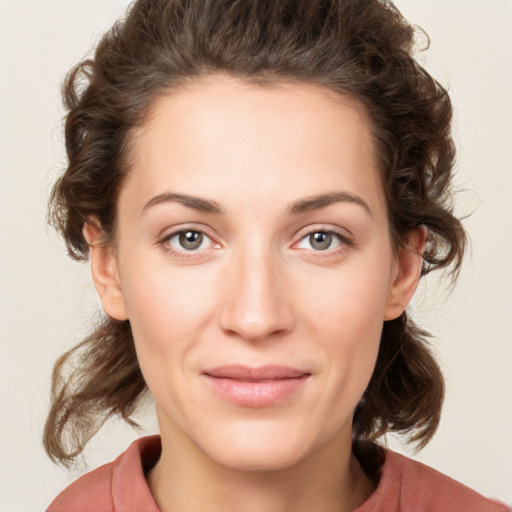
point(322, 200)
point(197, 203)
point(297, 207)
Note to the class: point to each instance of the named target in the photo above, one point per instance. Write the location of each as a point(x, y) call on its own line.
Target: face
point(253, 259)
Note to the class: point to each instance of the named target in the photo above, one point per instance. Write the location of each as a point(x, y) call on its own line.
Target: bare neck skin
point(186, 480)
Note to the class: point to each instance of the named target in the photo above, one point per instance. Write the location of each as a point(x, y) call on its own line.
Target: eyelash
point(344, 242)
point(184, 253)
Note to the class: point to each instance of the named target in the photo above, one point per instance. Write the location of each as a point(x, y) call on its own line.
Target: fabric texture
point(405, 486)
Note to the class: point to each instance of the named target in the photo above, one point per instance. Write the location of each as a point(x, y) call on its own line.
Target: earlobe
point(105, 272)
point(406, 279)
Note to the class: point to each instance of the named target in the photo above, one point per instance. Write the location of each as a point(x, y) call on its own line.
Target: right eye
point(188, 240)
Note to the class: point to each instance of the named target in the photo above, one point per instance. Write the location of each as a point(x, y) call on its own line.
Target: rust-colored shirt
point(405, 486)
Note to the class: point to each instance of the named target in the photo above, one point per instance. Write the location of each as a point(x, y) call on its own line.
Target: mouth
point(255, 387)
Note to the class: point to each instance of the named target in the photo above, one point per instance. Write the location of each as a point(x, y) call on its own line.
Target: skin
point(258, 290)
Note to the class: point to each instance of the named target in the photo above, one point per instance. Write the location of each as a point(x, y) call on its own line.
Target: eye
point(321, 240)
point(188, 240)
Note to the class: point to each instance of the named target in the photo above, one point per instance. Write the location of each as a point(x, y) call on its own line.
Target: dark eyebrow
point(322, 200)
point(300, 206)
point(203, 205)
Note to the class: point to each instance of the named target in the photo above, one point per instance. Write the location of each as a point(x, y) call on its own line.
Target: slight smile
point(255, 387)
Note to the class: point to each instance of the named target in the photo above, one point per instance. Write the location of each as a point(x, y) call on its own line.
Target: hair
point(363, 49)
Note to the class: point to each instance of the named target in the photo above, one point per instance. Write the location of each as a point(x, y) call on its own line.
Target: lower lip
point(256, 393)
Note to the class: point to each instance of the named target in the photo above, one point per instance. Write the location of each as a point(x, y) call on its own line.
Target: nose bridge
point(257, 304)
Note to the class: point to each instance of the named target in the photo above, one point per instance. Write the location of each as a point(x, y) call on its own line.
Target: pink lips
point(255, 387)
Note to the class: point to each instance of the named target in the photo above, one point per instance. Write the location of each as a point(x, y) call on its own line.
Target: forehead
point(295, 138)
point(221, 104)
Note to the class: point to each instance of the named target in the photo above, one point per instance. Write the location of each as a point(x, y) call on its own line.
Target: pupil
point(320, 240)
point(191, 240)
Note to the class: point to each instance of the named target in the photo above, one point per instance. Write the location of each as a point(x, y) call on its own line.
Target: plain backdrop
point(46, 300)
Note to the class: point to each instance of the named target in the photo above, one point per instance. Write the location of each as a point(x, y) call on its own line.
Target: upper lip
point(241, 372)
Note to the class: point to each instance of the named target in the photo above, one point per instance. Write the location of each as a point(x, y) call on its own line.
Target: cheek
point(350, 300)
point(346, 311)
point(160, 296)
point(168, 309)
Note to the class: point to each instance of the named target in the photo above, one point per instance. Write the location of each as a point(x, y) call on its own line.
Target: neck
point(187, 480)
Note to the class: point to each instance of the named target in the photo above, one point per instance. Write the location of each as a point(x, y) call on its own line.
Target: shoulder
point(111, 486)
point(408, 485)
point(91, 491)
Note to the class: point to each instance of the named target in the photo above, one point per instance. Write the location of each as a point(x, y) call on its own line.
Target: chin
point(258, 447)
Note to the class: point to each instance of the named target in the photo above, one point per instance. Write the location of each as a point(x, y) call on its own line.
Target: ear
point(105, 271)
point(407, 274)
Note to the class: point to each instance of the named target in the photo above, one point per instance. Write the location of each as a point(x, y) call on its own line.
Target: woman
point(259, 187)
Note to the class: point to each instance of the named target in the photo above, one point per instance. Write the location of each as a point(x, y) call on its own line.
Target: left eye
point(320, 241)
point(189, 240)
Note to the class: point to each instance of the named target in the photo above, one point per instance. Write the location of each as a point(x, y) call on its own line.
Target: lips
point(255, 387)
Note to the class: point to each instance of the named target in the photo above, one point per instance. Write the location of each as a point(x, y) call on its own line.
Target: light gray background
point(46, 300)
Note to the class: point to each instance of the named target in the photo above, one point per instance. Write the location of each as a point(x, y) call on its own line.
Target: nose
point(257, 297)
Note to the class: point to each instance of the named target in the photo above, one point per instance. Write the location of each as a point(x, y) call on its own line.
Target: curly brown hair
point(360, 48)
